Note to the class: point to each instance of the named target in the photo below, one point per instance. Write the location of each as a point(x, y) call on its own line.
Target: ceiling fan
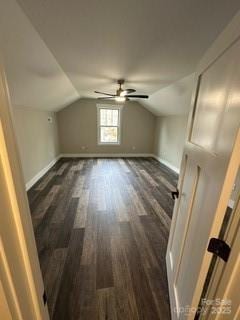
point(122, 95)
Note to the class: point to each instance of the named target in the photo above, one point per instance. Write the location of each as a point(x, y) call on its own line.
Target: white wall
point(37, 139)
point(174, 102)
point(170, 135)
point(77, 126)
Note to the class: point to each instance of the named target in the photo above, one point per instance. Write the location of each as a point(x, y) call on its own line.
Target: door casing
point(20, 273)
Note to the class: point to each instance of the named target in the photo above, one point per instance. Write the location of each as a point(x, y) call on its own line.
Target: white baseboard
point(105, 155)
point(167, 164)
point(41, 173)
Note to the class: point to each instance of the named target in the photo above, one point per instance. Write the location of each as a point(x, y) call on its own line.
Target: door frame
point(225, 277)
point(20, 272)
point(225, 40)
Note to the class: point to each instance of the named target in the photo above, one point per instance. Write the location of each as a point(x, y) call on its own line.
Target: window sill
point(109, 144)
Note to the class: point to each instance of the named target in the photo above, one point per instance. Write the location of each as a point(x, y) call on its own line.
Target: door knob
point(175, 194)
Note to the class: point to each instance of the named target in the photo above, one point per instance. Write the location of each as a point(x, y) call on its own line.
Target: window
point(108, 124)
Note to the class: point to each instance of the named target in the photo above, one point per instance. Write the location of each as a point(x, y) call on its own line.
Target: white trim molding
point(167, 164)
point(41, 173)
point(118, 126)
point(106, 155)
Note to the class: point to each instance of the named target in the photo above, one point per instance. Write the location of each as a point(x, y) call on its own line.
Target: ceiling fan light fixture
point(122, 95)
point(120, 99)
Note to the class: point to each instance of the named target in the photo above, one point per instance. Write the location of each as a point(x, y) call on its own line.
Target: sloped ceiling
point(172, 100)
point(34, 76)
point(68, 49)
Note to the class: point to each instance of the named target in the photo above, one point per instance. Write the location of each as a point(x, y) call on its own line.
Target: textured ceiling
point(150, 43)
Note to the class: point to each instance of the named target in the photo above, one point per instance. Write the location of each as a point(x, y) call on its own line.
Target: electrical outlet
point(83, 147)
point(133, 148)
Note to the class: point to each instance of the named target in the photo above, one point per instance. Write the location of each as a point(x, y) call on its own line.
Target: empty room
point(119, 160)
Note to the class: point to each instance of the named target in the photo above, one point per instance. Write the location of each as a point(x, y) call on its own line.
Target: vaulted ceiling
point(57, 51)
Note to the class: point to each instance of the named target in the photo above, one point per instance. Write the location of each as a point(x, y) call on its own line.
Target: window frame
point(99, 126)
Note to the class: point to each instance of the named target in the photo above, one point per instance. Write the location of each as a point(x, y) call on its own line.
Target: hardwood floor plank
point(67, 224)
point(78, 187)
point(157, 275)
point(78, 166)
point(148, 259)
point(53, 276)
point(119, 206)
point(125, 298)
point(47, 178)
point(89, 255)
point(168, 185)
point(101, 228)
point(62, 169)
point(83, 295)
point(136, 202)
point(41, 209)
point(104, 258)
point(81, 214)
point(101, 196)
point(64, 197)
point(165, 184)
point(66, 307)
point(157, 280)
point(143, 294)
point(148, 178)
point(46, 239)
point(159, 169)
point(124, 166)
point(151, 195)
point(106, 304)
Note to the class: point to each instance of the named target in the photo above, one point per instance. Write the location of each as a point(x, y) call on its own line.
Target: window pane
point(108, 117)
point(109, 134)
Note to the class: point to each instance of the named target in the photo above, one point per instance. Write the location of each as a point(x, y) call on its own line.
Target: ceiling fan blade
point(127, 91)
point(104, 98)
point(107, 94)
point(142, 96)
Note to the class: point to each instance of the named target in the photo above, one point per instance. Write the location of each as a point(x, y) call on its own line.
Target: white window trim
point(113, 107)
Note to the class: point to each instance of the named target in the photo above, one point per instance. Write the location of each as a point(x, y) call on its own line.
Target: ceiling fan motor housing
point(120, 82)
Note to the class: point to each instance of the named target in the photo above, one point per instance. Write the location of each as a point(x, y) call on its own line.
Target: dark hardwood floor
point(101, 228)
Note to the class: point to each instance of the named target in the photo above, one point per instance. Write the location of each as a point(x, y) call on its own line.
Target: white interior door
point(210, 162)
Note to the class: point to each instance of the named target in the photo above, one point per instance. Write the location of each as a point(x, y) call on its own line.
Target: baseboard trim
point(41, 173)
point(105, 155)
point(167, 164)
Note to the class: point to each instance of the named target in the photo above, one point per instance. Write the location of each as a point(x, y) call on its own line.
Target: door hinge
point(220, 248)
point(44, 297)
point(175, 194)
